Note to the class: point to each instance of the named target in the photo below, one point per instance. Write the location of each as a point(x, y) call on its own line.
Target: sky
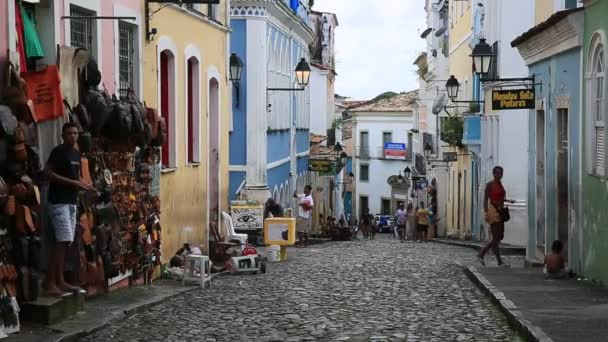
point(377, 42)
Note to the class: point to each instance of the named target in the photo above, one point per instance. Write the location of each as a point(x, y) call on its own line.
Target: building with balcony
point(382, 134)
point(269, 130)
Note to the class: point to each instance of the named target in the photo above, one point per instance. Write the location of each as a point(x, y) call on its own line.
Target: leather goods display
point(99, 106)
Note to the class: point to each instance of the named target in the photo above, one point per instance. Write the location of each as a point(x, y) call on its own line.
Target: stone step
point(505, 249)
point(50, 310)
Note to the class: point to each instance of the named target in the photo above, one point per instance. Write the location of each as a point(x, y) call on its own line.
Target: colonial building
point(554, 136)
point(383, 142)
point(185, 65)
point(269, 130)
point(594, 173)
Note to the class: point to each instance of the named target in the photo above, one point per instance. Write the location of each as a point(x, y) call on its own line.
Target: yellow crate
point(275, 228)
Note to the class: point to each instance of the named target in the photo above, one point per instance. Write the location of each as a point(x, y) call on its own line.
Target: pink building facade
point(111, 41)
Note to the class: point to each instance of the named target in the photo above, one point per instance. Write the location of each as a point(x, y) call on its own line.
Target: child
point(554, 262)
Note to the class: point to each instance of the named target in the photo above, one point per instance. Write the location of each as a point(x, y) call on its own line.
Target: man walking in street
point(304, 219)
point(63, 168)
point(423, 222)
point(401, 219)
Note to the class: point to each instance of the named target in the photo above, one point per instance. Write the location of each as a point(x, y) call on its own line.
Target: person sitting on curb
point(555, 266)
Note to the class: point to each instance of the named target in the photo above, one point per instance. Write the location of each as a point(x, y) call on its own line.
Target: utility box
point(280, 231)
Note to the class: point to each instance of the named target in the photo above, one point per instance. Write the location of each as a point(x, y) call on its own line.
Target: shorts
point(63, 219)
point(303, 225)
point(421, 228)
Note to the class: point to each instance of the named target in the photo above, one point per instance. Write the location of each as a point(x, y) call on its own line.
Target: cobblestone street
point(340, 291)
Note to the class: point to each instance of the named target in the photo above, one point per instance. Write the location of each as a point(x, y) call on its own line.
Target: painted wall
point(106, 32)
point(318, 102)
point(238, 132)
point(595, 189)
point(505, 138)
point(560, 76)
point(184, 190)
point(459, 196)
point(278, 146)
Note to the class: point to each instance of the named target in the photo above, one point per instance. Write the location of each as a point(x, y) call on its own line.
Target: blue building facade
point(269, 139)
point(555, 140)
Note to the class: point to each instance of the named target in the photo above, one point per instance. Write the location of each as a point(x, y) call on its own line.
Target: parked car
point(385, 223)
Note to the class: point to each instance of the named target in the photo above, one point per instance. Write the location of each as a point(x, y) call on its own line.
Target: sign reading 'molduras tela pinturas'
point(513, 99)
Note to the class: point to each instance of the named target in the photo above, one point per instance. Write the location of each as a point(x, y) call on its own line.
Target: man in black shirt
point(63, 168)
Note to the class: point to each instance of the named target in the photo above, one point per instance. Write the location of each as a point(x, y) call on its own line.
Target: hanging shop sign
point(249, 217)
point(395, 151)
point(513, 99)
point(320, 165)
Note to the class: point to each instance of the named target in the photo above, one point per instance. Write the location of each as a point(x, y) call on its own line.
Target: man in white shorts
point(304, 219)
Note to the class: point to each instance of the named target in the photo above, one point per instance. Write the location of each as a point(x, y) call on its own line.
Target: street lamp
point(343, 158)
point(407, 172)
point(452, 86)
point(236, 71)
point(303, 73)
point(428, 151)
point(482, 57)
point(302, 76)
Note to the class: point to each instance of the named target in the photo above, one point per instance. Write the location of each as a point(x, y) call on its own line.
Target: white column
point(256, 103)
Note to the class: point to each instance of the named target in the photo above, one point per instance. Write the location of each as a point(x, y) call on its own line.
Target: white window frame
point(596, 115)
point(89, 5)
point(361, 165)
point(121, 11)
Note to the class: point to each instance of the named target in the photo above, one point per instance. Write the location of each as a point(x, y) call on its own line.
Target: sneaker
point(503, 265)
point(482, 261)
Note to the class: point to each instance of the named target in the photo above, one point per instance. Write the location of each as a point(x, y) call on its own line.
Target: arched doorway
point(214, 145)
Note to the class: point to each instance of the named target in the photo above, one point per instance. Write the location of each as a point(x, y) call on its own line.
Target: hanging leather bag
point(99, 107)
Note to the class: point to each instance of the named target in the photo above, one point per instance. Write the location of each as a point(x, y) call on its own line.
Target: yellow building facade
point(185, 78)
point(459, 202)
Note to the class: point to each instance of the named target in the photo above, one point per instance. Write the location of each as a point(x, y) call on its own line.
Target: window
point(126, 57)
point(364, 173)
point(193, 109)
point(363, 205)
point(385, 206)
point(598, 91)
point(213, 11)
point(167, 106)
point(387, 137)
point(364, 145)
point(82, 31)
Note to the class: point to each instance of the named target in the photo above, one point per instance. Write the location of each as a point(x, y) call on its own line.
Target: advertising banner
point(395, 151)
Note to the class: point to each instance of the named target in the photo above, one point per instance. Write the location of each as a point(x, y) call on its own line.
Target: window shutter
point(600, 151)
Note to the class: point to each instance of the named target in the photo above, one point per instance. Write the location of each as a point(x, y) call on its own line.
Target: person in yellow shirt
point(423, 215)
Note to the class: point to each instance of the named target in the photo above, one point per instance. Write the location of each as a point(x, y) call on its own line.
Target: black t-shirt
point(64, 161)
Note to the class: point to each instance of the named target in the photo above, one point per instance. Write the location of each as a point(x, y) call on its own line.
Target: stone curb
point(508, 308)
point(506, 251)
point(118, 316)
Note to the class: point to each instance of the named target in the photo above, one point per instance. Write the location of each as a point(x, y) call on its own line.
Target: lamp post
point(483, 57)
point(236, 71)
point(302, 76)
point(428, 151)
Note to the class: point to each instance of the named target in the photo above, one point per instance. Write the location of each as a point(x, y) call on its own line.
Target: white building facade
point(375, 124)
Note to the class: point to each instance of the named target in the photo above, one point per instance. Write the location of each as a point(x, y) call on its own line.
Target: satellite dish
point(440, 32)
point(439, 103)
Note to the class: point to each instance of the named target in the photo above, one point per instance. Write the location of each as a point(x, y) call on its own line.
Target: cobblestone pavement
point(341, 291)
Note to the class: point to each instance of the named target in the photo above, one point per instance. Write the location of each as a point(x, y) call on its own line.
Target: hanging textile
point(43, 88)
point(33, 47)
point(20, 38)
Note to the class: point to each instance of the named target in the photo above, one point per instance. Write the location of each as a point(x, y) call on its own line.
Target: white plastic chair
point(204, 265)
point(231, 234)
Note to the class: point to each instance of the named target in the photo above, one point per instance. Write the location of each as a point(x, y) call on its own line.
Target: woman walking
point(496, 215)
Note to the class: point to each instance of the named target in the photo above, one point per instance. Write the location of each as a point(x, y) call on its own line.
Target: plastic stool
point(192, 261)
